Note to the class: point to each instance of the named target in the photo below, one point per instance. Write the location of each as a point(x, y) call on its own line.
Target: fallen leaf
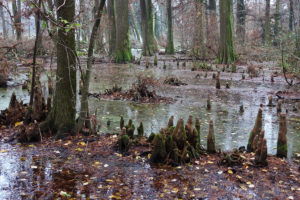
point(18, 124)
point(114, 197)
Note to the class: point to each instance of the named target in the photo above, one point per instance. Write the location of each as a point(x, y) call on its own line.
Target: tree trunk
point(170, 43)
point(84, 109)
point(267, 23)
point(134, 25)
point(16, 6)
point(123, 50)
point(226, 50)
point(61, 119)
point(35, 52)
point(297, 51)
point(277, 17)
point(198, 40)
point(241, 20)
point(291, 16)
point(147, 28)
point(111, 26)
point(3, 22)
point(213, 26)
point(40, 36)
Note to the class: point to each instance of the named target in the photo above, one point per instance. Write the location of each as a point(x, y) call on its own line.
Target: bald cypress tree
point(170, 43)
point(241, 20)
point(123, 50)
point(149, 44)
point(226, 50)
point(61, 119)
point(267, 23)
point(111, 26)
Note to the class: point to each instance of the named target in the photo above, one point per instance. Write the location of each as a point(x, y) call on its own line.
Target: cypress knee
point(255, 131)
point(282, 140)
point(211, 138)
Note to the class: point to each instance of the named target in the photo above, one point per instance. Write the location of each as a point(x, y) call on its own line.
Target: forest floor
point(91, 167)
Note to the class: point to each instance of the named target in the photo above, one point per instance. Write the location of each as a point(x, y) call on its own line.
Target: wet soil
point(90, 168)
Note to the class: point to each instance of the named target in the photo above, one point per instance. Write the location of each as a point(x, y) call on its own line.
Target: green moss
point(233, 68)
point(155, 60)
point(121, 122)
point(151, 137)
point(124, 143)
point(130, 128)
point(281, 150)
point(159, 149)
point(140, 130)
point(169, 144)
point(123, 56)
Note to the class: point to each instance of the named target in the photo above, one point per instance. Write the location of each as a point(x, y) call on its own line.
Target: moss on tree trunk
point(226, 50)
point(61, 120)
point(123, 50)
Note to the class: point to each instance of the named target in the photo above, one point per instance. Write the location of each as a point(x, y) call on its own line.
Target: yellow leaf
point(209, 162)
point(264, 170)
point(248, 183)
point(78, 149)
point(243, 187)
point(18, 124)
point(97, 163)
point(239, 177)
point(82, 143)
point(230, 171)
point(149, 155)
point(3, 150)
point(114, 197)
point(175, 190)
point(31, 145)
point(23, 158)
point(109, 180)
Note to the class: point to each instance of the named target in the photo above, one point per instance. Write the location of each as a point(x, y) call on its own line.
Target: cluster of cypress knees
point(181, 143)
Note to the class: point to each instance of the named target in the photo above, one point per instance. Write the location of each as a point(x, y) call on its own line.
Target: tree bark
point(84, 109)
point(170, 43)
point(16, 6)
point(35, 52)
point(226, 50)
point(149, 44)
point(123, 50)
point(291, 16)
point(241, 20)
point(198, 40)
point(3, 22)
point(61, 119)
point(277, 17)
point(112, 26)
point(267, 23)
